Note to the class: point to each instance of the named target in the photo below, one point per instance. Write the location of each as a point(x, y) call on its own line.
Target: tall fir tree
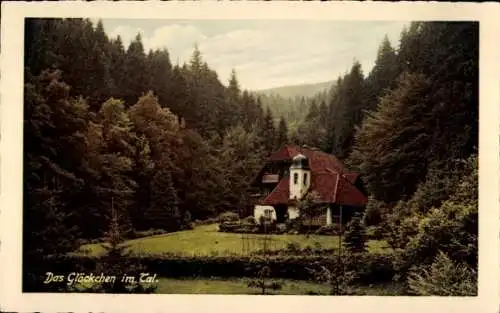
point(136, 78)
point(268, 131)
point(163, 212)
point(282, 135)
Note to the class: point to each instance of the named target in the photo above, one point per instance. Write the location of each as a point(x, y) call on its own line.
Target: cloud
point(176, 38)
point(126, 33)
point(270, 53)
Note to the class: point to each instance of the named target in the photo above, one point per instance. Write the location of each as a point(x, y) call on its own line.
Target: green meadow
point(207, 240)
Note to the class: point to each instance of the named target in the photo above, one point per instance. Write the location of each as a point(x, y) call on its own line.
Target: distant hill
point(291, 91)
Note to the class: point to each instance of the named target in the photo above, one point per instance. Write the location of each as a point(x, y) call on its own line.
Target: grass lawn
point(239, 286)
point(234, 286)
point(206, 240)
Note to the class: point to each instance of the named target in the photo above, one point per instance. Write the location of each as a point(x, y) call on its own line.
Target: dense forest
point(108, 126)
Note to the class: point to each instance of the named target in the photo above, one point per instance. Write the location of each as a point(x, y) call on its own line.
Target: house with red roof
point(292, 172)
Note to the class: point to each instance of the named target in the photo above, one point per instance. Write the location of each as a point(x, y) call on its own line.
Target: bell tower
point(300, 177)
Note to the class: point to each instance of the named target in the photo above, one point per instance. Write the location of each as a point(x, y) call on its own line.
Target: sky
point(265, 53)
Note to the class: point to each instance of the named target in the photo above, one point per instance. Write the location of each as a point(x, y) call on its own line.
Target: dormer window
point(305, 178)
point(295, 178)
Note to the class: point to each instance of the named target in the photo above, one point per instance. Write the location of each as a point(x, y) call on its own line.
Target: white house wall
point(260, 210)
point(299, 189)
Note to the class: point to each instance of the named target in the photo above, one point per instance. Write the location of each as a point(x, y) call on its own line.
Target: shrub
point(249, 220)
point(375, 232)
point(355, 238)
point(280, 228)
point(228, 217)
point(293, 247)
point(294, 225)
point(208, 221)
point(401, 227)
point(444, 278)
point(188, 226)
point(266, 225)
point(332, 230)
point(452, 229)
point(237, 227)
point(147, 233)
point(262, 281)
point(374, 212)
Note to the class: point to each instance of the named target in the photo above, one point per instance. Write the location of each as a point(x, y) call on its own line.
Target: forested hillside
point(293, 109)
point(302, 90)
point(108, 126)
point(167, 144)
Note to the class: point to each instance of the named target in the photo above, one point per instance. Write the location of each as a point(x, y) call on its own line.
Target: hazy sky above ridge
point(265, 53)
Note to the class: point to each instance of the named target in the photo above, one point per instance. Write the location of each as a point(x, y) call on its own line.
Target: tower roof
point(318, 160)
point(300, 161)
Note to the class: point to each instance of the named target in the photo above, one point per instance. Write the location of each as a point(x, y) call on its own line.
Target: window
point(305, 178)
point(268, 213)
point(295, 178)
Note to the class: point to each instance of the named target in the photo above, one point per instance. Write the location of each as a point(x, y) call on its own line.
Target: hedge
point(370, 267)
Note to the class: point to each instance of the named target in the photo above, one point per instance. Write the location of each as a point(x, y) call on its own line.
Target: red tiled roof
point(285, 153)
point(348, 194)
point(280, 194)
point(330, 186)
point(318, 160)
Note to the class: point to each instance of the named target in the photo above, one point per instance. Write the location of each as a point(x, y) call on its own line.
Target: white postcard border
point(11, 298)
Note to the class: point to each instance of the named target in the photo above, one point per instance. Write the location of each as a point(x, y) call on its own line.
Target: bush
point(443, 278)
point(237, 227)
point(294, 225)
point(249, 220)
point(374, 212)
point(280, 228)
point(375, 233)
point(266, 225)
point(147, 233)
point(369, 267)
point(355, 238)
point(228, 217)
point(208, 221)
point(292, 247)
point(332, 230)
point(401, 226)
point(452, 229)
point(188, 226)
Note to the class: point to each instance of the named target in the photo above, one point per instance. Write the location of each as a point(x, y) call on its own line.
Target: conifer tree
point(268, 131)
point(163, 212)
point(355, 235)
point(136, 79)
point(348, 111)
point(116, 262)
point(282, 136)
point(383, 75)
point(390, 144)
point(160, 71)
